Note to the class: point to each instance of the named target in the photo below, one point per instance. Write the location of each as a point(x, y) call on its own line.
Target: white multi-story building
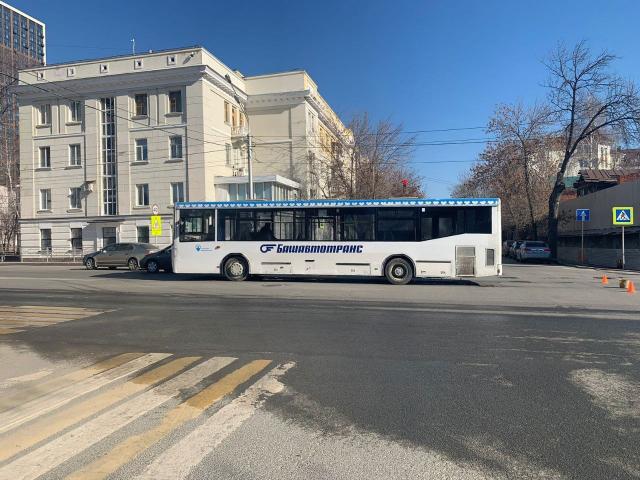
point(103, 141)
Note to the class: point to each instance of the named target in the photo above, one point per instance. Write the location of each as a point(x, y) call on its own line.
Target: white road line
point(613, 315)
point(29, 377)
point(39, 406)
point(179, 459)
point(62, 448)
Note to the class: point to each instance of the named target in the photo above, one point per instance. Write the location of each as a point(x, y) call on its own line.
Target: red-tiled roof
point(597, 175)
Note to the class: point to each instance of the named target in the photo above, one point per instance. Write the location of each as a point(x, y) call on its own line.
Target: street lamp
point(246, 117)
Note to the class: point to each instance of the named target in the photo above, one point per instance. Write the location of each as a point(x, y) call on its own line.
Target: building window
point(227, 151)
point(226, 112)
point(75, 201)
point(108, 236)
point(176, 146)
point(142, 195)
point(142, 234)
point(237, 156)
point(109, 156)
point(45, 199)
point(45, 157)
point(76, 239)
point(177, 192)
point(75, 111)
point(312, 123)
point(75, 156)
point(141, 150)
point(44, 114)
point(45, 239)
point(234, 117)
point(141, 103)
point(175, 102)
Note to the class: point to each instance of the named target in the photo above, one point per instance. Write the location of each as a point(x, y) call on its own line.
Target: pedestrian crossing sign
point(156, 225)
point(623, 216)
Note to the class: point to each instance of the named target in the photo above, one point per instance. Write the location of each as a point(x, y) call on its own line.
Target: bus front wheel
point(236, 269)
point(398, 271)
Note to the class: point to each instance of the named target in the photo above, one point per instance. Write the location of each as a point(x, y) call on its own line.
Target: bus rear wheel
point(236, 269)
point(398, 271)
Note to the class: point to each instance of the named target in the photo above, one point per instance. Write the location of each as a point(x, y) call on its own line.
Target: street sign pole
point(623, 247)
point(582, 240)
point(623, 216)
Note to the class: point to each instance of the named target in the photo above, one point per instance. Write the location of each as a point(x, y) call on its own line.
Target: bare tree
point(519, 131)
point(370, 161)
point(586, 98)
point(499, 173)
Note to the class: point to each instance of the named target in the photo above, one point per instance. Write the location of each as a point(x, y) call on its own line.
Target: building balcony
point(239, 131)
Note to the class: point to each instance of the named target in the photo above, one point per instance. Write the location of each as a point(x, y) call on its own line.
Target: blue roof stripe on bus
point(419, 202)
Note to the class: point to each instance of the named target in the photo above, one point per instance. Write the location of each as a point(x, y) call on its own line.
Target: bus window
point(426, 227)
point(357, 224)
point(196, 225)
point(442, 222)
point(284, 224)
point(321, 225)
point(396, 225)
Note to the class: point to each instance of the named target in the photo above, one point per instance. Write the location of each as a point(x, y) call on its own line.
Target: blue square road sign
point(582, 214)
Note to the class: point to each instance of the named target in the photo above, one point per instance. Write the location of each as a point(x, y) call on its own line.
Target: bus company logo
point(200, 248)
point(281, 248)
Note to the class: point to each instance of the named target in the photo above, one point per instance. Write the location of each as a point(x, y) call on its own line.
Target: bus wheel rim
point(398, 271)
point(236, 269)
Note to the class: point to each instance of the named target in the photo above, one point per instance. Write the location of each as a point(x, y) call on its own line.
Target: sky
point(428, 65)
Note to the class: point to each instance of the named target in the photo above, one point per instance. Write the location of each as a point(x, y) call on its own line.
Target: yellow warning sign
point(156, 225)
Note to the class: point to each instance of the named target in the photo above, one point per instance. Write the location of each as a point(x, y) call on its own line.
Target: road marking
point(22, 379)
point(177, 462)
point(12, 317)
point(612, 315)
point(8, 331)
point(174, 418)
point(40, 461)
point(42, 428)
point(27, 393)
point(39, 406)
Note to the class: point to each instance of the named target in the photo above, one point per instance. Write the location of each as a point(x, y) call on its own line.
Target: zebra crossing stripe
point(30, 390)
point(39, 406)
point(177, 462)
point(47, 457)
point(46, 426)
point(174, 418)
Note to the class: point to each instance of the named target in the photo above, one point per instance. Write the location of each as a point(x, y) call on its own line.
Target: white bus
point(399, 239)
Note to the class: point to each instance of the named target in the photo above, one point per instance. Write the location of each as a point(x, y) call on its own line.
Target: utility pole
point(227, 77)
point(249, 162)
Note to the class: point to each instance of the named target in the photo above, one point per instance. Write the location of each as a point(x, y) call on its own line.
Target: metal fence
point(52, 255)
point(600, 257)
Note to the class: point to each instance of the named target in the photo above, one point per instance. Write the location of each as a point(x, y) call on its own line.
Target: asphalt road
point(113, 374)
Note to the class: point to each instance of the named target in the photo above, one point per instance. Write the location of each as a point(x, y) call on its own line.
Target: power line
point(153, 127)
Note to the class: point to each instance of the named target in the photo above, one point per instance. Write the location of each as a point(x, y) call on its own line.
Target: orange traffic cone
point(631, 288)
point(605, 280)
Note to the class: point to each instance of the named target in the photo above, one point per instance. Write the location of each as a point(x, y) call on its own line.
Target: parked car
point(513, 248)
point(119, 255)
point(155, 262)
point(533, 250)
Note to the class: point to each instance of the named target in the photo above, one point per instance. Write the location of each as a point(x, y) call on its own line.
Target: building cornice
point(95, 86)
point(267, 100)
point(220, 82)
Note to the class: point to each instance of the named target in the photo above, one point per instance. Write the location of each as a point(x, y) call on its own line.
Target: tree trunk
point(554, 210)
point(532, 219)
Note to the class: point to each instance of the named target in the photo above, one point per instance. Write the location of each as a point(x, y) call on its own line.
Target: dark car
point(155, 262)
point(119, 255)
